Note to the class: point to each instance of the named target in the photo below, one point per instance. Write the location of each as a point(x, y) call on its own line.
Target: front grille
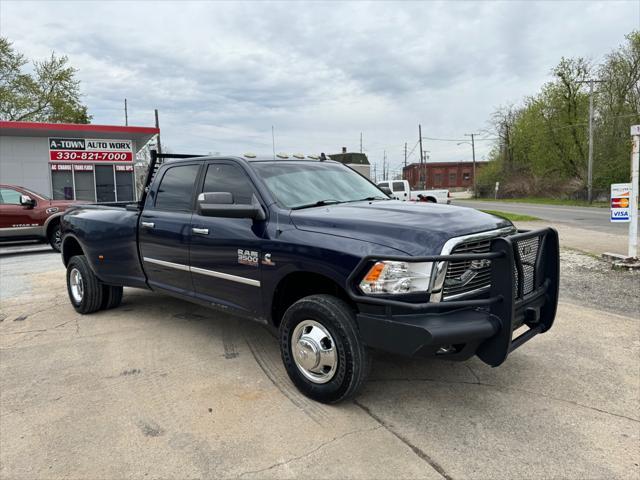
point(466, 276)
point(472, 276)
point(526, 254)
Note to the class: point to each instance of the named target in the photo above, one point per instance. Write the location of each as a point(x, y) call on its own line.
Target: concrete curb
point(621, 262)
point(30, 249)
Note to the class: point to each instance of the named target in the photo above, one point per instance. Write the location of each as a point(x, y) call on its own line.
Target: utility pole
point(420, 138)
point(421, 156)
point(158, 127)
point(360, 142)
point(384, 166)
point(405, 162)
point(375, 173)
point(126, 115)
point(590, 164)
point(591, 82)
point(473, 155)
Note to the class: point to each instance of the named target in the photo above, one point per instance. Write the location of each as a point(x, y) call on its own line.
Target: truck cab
point(401, 190)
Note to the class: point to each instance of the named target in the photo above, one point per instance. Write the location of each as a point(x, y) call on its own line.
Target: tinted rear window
point(176, 188)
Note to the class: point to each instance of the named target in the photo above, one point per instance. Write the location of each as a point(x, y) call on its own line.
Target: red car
point(26, 215)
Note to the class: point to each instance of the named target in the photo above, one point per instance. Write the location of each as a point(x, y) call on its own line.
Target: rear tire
point(55, 236)
point(321, 349)
point(84, 288)
point(111, 296)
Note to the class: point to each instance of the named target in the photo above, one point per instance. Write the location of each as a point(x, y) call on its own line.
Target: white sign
point(635, 130)
point(497, 186)
point(620, 202)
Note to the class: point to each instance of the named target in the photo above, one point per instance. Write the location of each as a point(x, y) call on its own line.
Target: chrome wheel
point(77, 285)
point(314, 351)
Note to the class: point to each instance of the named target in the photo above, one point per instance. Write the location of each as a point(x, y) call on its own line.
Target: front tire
point(84, 288)
point(321, 349)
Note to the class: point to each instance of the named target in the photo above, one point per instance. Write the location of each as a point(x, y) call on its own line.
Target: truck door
point(17, 220)
point(400, 190)
point(165, 229)
point(225, 252)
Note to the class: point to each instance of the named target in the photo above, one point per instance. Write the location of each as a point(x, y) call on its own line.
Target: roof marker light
point(250, 155)
point(299, 156)
point(282, 155)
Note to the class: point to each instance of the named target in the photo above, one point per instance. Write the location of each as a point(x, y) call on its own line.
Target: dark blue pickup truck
point(322, 255)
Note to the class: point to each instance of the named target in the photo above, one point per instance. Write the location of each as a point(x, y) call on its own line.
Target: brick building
point(451, 175)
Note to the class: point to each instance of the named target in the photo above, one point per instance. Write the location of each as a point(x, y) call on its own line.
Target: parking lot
point(163, 388)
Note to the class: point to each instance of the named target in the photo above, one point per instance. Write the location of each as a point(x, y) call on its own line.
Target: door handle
point(200, 231)
point(148, 224)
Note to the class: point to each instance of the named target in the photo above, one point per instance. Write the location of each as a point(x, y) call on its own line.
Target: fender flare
point(48, 221)
point(65, 243)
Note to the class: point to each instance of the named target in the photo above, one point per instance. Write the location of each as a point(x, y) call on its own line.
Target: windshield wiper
point(319, 203)
point(369, 199)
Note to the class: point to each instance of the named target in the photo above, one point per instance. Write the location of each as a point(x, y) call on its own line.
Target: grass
point(514, 217)
point(549, 201)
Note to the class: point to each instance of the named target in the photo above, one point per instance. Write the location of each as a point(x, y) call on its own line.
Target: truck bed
point(113, 242)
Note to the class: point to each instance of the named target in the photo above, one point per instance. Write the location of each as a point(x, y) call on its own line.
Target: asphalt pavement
point(161, 388)
point(588, 218)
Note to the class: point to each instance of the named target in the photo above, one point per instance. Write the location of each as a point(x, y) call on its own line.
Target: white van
point(400, 191)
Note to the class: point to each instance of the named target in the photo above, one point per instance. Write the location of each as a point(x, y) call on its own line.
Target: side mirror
point(386, 190)
point(220, 204)
point(27, 201)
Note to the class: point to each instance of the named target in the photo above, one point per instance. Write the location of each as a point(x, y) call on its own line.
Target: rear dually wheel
point(84, 288)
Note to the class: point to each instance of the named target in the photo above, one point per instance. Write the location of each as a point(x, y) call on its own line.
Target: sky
point(222, 74)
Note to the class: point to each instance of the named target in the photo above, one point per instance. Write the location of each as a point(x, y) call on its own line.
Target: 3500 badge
point(248, 257)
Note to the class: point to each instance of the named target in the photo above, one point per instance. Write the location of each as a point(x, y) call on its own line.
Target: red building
point(451, 175)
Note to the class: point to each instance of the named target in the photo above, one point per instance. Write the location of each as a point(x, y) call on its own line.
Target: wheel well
point(298, 285)
point(432, 199)
point(70, 248)
point(52, 223)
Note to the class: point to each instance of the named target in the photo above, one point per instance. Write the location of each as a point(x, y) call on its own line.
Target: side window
point(9, 197)
point(398, 186)
point(222, 177)
point(383, 184)
point(176, 188)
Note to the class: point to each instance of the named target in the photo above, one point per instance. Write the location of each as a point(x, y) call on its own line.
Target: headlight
point(391, 277)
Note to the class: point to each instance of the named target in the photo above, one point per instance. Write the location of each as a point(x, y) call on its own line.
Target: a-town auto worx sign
point(90, 150)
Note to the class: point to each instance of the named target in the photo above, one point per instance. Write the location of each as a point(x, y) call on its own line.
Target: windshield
point(309, 184)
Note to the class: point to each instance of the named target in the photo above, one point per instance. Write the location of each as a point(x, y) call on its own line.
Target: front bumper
point(523, 293)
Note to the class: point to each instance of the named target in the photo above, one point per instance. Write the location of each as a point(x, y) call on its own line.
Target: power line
point(413, 149)
point(457, 139)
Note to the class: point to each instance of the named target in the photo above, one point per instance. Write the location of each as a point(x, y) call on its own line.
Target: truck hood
point(414, 228)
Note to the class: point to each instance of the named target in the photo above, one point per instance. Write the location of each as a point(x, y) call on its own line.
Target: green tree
point(543, 147)
point(50, 94)
point(618, 107)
